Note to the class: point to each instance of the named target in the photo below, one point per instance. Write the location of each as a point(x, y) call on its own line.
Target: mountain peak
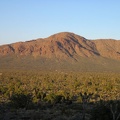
point(64, 45)
point(65, 35)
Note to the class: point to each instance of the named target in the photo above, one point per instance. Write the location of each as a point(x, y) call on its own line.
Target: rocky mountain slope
point(64, 46)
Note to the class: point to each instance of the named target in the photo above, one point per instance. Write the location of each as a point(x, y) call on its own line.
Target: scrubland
point(33, 95)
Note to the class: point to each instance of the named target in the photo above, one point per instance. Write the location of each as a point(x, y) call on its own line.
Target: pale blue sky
point(22, 20)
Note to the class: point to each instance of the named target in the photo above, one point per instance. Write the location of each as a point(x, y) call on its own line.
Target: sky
point(22, 20)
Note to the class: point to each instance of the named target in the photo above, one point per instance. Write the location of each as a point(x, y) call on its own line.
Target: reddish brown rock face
point(64, 45)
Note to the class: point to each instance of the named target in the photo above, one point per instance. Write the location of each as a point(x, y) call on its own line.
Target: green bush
point(54, 99)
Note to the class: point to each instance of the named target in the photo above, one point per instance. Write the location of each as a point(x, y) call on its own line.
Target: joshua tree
point(114, 110)
point(85, 100)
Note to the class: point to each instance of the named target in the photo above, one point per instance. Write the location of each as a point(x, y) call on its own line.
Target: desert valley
point(62, 77)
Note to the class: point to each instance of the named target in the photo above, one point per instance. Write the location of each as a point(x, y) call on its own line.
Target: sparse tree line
point(98, 94)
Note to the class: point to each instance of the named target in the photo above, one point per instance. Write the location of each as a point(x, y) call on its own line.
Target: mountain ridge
point(64, 44)
point(63, 50)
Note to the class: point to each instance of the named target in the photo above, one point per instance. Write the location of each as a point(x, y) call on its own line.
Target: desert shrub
point(20, 100)
point(54, 99)
point(50, 98)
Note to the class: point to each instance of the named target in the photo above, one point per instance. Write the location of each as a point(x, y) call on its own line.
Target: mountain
point(62, 51)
